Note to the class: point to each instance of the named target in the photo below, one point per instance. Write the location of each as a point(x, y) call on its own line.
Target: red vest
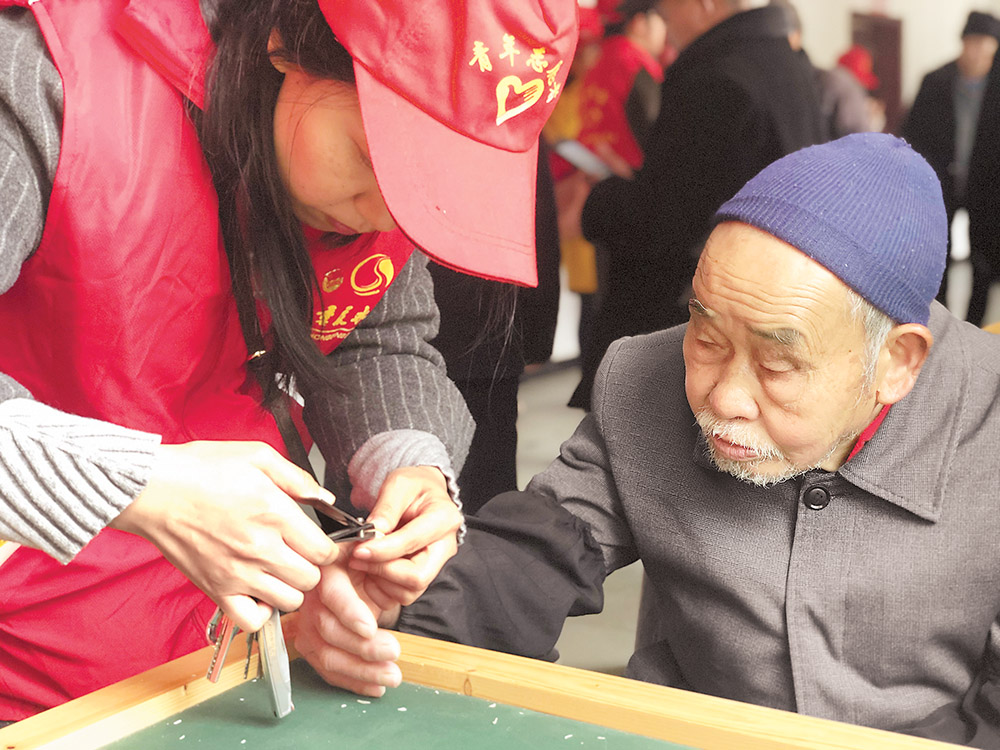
point(125, 314)
point(605, 91)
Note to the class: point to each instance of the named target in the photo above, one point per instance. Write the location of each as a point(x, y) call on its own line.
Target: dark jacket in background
point(930, 129)
point(930, 126)
point(489, 331)
point(736, 99)
point(982, 198)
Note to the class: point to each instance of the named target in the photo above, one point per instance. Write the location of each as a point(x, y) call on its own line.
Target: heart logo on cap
point(530, 92)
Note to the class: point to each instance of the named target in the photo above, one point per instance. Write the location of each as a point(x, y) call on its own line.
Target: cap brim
point(468, 205)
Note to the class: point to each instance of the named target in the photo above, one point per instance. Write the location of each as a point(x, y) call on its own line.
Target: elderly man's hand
point(338, 631)
point(338, 634)
point(224, 514)
point(420, 521)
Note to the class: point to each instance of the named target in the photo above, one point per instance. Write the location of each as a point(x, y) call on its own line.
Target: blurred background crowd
point(671, 105)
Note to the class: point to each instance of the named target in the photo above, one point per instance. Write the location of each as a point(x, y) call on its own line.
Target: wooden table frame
point(609, 701)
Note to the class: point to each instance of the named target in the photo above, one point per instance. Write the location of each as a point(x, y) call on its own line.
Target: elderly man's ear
point(900, 360)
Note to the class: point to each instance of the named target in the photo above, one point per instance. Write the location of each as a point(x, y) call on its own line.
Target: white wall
point(931, 31)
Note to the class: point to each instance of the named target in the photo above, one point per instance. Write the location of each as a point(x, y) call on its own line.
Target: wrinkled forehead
point(747, 250)
point(746, 273)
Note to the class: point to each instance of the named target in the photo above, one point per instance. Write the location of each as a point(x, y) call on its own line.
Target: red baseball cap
point(858, 60)
point(453, 96)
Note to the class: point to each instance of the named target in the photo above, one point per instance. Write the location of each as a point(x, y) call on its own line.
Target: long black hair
point(263, 238)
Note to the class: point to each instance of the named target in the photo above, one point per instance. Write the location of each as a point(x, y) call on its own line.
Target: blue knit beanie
point(867, 207)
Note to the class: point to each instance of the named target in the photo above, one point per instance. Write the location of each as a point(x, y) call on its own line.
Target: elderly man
point(735, 99)
point(805, 471)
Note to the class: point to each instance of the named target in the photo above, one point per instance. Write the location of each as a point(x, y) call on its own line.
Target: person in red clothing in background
point(619, 101)
point(620, 97)
point(575, 253)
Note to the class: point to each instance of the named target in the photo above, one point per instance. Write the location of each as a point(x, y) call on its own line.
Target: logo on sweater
point(372, 275)
point(345, 307)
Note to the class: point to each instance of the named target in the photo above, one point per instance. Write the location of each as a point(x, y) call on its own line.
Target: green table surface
point(410, 716)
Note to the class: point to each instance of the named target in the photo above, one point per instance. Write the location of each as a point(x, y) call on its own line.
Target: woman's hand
point(223, 513)
point(420, 522)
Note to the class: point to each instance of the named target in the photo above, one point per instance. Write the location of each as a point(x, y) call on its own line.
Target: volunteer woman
point(133, 182)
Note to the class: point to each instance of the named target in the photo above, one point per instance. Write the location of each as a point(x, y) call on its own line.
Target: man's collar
point(908, 462)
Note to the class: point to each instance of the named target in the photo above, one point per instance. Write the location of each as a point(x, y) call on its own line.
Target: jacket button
point(816, 498)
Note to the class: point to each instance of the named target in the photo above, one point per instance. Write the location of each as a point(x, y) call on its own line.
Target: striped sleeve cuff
point(63, 478)
point(388, 451)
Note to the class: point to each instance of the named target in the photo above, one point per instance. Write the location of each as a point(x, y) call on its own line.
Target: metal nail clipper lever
point(354, 529)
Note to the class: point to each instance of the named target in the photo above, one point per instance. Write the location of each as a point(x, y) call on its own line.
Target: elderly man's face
point(774, 359)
